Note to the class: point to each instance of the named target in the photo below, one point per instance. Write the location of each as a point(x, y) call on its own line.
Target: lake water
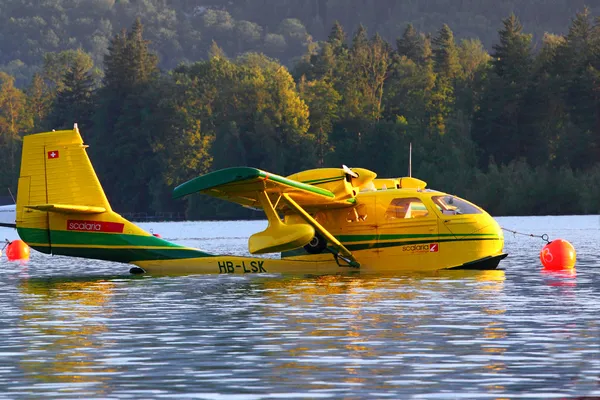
point(73, 328)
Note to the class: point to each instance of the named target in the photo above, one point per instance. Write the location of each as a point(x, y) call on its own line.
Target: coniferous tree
point(337, 36)
point(544, 111)
point(123, 108)
point(512, 58)
point(577, 63)
point(445, 54)
point(360, 40)
point(501, 128)
point(74, 102)
point(215, 51)
point(579, 47)
point(411, 44)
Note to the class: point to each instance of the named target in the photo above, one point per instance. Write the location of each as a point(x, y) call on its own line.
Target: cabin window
point(406, 208)
point(452, 205)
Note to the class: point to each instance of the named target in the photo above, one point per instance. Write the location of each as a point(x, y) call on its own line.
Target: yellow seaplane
point(322, 221)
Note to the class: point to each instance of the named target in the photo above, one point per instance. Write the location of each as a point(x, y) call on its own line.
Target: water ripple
point(74, 328)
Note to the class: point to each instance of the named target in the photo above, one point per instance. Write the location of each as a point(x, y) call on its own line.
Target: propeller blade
point(349, 171)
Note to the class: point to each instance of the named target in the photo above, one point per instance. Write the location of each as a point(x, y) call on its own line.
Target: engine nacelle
point(336, 180)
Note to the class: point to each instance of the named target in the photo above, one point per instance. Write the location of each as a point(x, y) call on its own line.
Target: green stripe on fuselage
point(127, 255)
point(385, 241)
point(31, 235)
point(107, 246)
point(362, 238)
point(108, 239)
point(381, 245)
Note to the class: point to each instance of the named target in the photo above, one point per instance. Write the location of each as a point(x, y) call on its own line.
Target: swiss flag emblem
point(53, 154)
point(433, 248)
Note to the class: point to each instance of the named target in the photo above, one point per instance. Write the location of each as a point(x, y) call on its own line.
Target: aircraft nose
point(473, 224)
point(490, 230)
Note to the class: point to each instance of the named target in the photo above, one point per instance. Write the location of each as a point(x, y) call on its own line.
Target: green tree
point(39, 101)
point(322, 100)
point(55, 65)
point(14, 122)
point(500, 127)
point(337, 36)
point(368, 70)
point(472, 57)
point(125, 103)
point(407, 92)
point(74, 102)
point(215, 51)
point(445, 54)
point(577, 64)
point(410, 44)
point(129, 61)
point(512, 58)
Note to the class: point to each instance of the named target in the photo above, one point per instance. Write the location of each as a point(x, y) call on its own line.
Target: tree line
point(182, 30)
point(515, 129)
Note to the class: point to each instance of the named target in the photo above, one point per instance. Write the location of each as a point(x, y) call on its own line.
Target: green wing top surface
point(242, 184)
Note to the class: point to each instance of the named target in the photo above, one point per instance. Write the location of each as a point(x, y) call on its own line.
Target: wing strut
point(343, 252)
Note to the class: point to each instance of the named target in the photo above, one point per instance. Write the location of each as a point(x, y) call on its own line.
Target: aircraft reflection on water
point(348, 316)
point(68, 334)
point(65, 317)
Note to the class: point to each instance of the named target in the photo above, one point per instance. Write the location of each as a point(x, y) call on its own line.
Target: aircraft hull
point(253, 265)
point(451, 256)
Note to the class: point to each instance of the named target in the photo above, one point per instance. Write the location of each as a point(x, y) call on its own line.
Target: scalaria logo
point(94, 226)
point(422, 248)
point(84, 226)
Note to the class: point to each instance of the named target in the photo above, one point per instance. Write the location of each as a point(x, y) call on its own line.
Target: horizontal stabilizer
point(68, 209)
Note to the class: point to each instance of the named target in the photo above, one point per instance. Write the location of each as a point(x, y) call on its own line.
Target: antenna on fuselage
point(410, 159)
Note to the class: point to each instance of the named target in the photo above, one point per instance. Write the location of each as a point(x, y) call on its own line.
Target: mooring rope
point(543, 237)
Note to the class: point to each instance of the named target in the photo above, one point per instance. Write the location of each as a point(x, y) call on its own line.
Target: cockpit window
point(452, 205)
point(406, 208)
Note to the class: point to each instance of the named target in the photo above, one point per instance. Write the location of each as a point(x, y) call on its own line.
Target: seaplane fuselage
point(322, 221)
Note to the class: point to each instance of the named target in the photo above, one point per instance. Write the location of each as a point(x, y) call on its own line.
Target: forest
point(510, 122)
point(183, 30)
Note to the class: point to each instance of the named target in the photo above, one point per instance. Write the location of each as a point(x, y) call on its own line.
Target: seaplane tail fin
point(62, 208)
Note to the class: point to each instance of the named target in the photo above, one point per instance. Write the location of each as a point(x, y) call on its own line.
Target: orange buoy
point(558, 254)
point(17, 250)
point(157, 235)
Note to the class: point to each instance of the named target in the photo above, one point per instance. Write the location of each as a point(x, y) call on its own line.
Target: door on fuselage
point(355, 227)
point(407, 229)
point(359, 226)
